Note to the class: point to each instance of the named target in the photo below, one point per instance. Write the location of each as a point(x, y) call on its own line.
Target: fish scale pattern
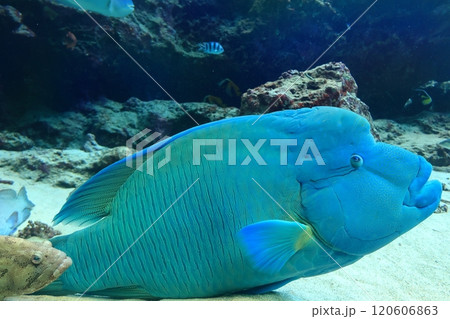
point(226, 233)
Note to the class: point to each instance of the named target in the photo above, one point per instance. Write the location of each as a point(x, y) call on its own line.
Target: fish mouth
point(66, 263)
point(422, 193)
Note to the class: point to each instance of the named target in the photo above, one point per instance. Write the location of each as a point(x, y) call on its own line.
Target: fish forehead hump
point(328, 121)
point(334, 126)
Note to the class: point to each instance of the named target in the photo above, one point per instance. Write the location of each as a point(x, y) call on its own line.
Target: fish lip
point(66, 263)
point(420, 191)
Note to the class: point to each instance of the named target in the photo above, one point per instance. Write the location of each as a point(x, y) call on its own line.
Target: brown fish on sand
point(27, 266)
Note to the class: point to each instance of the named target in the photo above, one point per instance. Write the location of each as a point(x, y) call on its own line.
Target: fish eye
point(356, 161)
point(36, 259)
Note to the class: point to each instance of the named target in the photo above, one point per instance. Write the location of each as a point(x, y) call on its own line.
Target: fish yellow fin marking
point(304, 238)
point(270, 244)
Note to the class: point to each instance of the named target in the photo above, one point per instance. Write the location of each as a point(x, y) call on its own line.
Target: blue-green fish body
point(109, 8)
point(285, 198)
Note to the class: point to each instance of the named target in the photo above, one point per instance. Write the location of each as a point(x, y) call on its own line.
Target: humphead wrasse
point(233, 207)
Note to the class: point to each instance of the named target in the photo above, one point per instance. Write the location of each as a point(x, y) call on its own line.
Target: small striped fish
point(210, 48)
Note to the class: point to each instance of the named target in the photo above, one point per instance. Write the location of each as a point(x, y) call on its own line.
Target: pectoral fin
point(270, 244)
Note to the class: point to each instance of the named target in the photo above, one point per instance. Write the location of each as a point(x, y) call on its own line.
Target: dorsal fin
point(90, 202)
point(23, 196)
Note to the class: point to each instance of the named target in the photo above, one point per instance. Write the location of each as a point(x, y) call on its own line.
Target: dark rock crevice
point(393, 49)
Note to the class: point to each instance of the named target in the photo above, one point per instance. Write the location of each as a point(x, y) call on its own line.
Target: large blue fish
point(109, 8)
point(285, 198)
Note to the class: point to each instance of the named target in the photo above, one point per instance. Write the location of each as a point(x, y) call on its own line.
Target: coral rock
point(38, 229)
point(67, 168)
point(420, 134)
point(13, 141)
point(113, 123)
point(91, 144)
point(329, 84)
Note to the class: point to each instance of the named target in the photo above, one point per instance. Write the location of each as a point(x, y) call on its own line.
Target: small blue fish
point(109, 8)
point(14, 210)
point(211, 48)
point(207, 224)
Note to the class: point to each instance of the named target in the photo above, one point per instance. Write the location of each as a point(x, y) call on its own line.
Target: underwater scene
point(224, 150)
